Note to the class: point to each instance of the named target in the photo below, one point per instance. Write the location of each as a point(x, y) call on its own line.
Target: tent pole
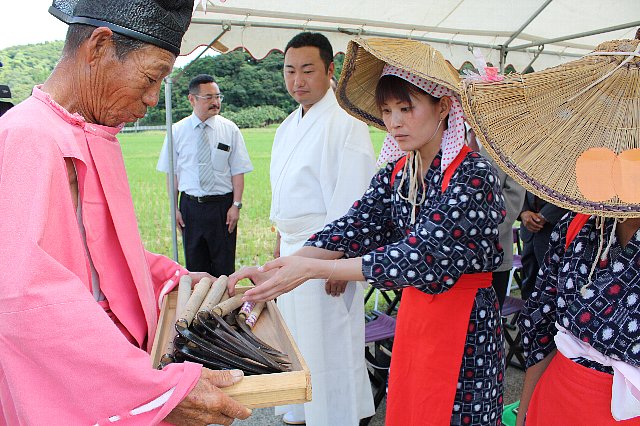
point(225, 28)
point(527, 22)
point(503, 58)
point(504, 49)
point(578, 35)
point(168, 83)
point(540, 49)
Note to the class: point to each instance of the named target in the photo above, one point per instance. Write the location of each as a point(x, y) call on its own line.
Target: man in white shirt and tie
point(210, 160)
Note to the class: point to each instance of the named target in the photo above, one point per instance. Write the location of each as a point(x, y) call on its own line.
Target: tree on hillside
point(26, 66)
point(254, 90)
point(245, 82)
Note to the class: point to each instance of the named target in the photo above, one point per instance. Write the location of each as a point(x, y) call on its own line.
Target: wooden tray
point(264, 390)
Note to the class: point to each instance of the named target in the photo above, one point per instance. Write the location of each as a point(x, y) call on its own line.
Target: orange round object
point(594, 174)
point(626, 176)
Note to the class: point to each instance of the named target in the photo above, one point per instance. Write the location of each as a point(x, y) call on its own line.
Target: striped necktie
point(205, 165)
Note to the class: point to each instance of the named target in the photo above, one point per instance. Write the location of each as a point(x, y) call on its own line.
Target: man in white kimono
point(322, 161)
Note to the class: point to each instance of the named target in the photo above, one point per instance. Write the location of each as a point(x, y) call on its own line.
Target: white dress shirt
point(228, 154)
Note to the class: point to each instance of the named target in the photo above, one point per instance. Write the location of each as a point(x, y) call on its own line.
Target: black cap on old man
point(158, 22)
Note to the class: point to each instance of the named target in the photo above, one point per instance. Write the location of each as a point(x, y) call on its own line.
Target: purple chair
point(515, 276)
point(381, 328)
point(378, 335)
point(511, 308)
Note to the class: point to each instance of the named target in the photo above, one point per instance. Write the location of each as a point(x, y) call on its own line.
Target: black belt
point(208, 198)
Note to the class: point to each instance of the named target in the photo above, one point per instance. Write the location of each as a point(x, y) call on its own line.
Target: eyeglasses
point(209, 98)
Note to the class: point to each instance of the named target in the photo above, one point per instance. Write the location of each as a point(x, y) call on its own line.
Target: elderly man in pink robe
point(78, 292)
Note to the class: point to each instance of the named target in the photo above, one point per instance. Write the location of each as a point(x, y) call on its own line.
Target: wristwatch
point(238, 204)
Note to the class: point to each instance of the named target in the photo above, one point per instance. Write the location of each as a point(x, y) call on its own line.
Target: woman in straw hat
point(429, 224)
point(571, 135)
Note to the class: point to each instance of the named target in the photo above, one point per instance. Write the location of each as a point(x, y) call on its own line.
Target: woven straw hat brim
point(363, 64)
point(536, 126)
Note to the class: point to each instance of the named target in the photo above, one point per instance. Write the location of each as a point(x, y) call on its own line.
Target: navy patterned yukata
point(456, 232)
point(607, 318)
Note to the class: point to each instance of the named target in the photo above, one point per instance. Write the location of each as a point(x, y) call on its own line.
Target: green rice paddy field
point(148, 188)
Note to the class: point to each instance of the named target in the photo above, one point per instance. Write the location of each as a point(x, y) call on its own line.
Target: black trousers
point(534, 248)
point(208, 245)
point(500, 282)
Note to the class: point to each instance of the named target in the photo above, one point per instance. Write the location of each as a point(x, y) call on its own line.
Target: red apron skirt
point(571, 394)
point(428, 349)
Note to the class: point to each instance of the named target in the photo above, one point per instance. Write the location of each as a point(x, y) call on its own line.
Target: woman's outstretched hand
point(284, 274)
point(253, 273)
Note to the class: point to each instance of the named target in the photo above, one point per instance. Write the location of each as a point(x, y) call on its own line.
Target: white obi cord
point(625, 392)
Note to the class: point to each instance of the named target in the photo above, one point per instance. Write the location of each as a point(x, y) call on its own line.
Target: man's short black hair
point(194, 84)
point(314, 40)
point(78, 33)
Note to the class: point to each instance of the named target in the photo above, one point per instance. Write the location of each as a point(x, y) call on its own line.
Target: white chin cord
point(436, 132)
point(413, 170)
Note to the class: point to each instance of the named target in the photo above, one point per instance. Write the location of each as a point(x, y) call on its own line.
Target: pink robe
point(62, 359)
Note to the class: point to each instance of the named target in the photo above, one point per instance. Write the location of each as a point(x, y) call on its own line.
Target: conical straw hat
point(569, 134)
point(363, 65)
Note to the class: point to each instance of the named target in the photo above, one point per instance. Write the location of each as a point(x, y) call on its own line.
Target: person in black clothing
point(5, 92)
point(4, 107)
point(537, 220)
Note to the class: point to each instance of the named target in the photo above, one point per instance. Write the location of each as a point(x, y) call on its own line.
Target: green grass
point(148, 189)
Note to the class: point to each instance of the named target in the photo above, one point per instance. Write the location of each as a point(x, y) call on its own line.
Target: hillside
point(28, 65)
point(255, 93)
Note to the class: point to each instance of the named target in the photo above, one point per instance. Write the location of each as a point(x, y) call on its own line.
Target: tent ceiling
point(449, 25)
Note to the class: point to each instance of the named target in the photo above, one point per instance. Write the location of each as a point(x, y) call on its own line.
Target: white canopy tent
point(541, 33)
point(517, 28)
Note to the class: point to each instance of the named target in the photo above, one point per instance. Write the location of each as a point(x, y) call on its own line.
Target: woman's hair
point(392, 87)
